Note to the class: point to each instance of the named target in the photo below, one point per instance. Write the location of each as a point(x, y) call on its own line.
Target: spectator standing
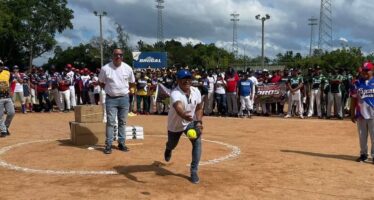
point(115, 77)
point(245, 92)
point(335, 95)
point(294, 85)
point(6, 103)
point(232, 79)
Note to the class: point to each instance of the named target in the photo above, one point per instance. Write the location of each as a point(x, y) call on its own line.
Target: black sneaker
point(7, 132)
point(362, 158)
point(108, 150)
point(167, 155)
point(3, 134)
point(195, 178)
point(123, 148)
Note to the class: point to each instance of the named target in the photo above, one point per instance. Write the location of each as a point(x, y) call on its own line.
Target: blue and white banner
point(149, 59)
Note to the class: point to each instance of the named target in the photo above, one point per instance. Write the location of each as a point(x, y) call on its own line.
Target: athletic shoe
point(167, 155)
point(3, 134)
point(362, 158)
point(131, 114)
point(108, 150)
point(123, 148)
point(195, 178)
point(301, 117)
point(7, 132)
point(287, 116)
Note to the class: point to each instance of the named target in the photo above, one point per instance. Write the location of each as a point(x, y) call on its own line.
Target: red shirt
point(232, 82)
point(276, 79)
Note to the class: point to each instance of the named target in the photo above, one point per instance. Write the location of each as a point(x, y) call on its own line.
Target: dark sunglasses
point(118, 54)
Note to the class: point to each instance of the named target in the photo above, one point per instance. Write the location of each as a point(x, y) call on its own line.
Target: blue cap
point(181, 74)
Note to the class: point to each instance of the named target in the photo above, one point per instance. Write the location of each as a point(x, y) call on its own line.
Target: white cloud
point(198, 21)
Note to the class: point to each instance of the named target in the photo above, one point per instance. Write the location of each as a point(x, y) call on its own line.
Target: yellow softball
point(191, 134)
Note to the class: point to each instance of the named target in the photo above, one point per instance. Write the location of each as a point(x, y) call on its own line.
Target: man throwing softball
point(186, 112)
point(362, 109)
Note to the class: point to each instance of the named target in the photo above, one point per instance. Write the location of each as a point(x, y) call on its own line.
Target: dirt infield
point(279, 159)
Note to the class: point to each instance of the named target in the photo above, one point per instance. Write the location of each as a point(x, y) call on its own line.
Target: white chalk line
point(235, 152)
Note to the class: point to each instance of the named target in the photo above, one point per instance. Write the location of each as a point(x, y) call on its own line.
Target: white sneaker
point(287, 116)
point(301, 117)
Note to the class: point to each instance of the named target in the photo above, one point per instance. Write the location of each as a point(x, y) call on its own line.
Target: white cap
point(265, 70)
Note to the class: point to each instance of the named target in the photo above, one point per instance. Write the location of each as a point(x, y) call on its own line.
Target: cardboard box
point(89, 113)
point(87, 133)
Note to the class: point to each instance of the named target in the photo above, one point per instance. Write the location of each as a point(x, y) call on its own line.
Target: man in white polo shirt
point(115, 77)
point(186, 111)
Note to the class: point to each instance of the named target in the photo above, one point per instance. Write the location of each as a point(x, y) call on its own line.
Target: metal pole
point(312, 23)
point(311, 40)
point(101, 42)
point(262, 51)
point(101, 14)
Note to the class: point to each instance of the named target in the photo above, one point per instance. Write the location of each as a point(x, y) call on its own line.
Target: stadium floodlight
point(101, 14)
point(263, 19)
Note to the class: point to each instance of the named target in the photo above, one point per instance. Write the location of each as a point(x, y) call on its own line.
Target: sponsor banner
point(271, 93)
point(149, 59)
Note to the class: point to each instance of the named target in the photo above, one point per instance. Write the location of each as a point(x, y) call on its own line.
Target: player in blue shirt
point(245, 88)
point(362, 109)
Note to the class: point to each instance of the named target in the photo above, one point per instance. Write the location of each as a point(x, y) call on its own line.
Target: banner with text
point(271, 93)
point(149, 59)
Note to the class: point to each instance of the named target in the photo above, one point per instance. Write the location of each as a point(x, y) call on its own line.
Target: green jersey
point(317, 81)
point(335, 82)
point(295, 81)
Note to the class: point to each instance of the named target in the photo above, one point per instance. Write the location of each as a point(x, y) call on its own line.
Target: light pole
point(312, 23)
point(101, 14)
point(263, 19)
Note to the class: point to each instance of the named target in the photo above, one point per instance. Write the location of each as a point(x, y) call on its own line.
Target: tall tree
point(34, 24)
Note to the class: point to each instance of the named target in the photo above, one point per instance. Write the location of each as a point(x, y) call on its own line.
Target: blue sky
point(208, 21)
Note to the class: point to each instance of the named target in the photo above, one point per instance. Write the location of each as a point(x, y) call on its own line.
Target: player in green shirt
point(335, 95)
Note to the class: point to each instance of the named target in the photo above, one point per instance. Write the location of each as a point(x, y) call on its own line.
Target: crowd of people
point(227, 93)
point(216, 92)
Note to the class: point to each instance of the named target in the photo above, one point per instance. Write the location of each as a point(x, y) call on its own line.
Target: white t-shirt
point(254, 80)
point(175, 122)
point(211, 84)
point(97, 88)
point(116, 79)
point(70, 74)
point(84, 79)
point(220, 89)
point(18, 88)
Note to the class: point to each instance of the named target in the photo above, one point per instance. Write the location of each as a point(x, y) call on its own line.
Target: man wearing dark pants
point(186, 111)
point(115, 77)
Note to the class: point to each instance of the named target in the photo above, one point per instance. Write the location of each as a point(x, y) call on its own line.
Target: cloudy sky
point(208, 21)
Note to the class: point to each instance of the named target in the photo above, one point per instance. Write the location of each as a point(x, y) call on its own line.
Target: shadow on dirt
point(333, 156)
point(156, 167)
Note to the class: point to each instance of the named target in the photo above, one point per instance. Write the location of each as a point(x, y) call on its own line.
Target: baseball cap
point(182, 74)
point(367, 66)
point(68, 66)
